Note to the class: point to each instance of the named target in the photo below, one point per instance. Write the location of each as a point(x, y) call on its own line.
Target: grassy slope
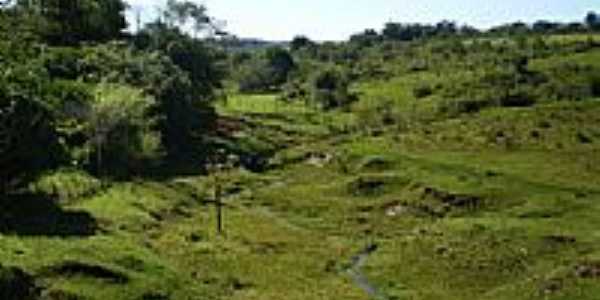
point(530, 231)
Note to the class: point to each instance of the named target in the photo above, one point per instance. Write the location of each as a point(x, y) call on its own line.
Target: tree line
point(78, 91)
point(396, 31)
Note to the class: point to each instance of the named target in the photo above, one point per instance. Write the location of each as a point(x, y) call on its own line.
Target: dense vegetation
point(96, 99)
point(415, 162)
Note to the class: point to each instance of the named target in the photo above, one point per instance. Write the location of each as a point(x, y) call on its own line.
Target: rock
point(318, 159)
point(397, 210)
point(588, 270)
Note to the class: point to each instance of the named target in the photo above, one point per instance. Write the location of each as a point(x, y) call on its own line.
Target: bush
point(329, 88)
point(254, 77)
point(595, 85)
point(26, 122)
point(65, 63)
point(66, 184)
point(182, 98)
point(500, 87)
point(16, 285)
point(121, 130)
point(294, 90)
point(267, 71)
point(570, 81)
point(422, 91)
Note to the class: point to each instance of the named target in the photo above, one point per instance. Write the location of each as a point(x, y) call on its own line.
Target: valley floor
point(439, 222)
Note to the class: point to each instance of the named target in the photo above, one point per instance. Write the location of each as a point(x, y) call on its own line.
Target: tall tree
point(73, 21)
point(185, 101)
point(592, 20)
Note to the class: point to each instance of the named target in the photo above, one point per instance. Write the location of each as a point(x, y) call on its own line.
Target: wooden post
point(218, 205)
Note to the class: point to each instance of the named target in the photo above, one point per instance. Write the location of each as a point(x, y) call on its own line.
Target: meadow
point(443, 167)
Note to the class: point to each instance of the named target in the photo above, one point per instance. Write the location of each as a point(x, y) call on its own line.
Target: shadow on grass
point(32, 215)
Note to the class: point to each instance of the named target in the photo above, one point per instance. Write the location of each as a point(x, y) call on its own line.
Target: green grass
point(291, 231)
point(333, 185)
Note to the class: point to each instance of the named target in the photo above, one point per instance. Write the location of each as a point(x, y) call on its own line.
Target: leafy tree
point(280, 63)
point(184, 97)
point(69, 22)
point(543, 26)
point(301, 42)
point(120, 131)
point(28, 141)
point(189, 54)
point(253, 76)
point(329, 88)
point(368, 38)
point(183, 13)
point(268, 70)
point(592, 20)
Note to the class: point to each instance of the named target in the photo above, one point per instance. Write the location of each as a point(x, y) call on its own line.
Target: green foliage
point(267, 71)
point(112, 108)
point(301, 43)
point(592, 20)
point(184, 12)
point(15, 284)
point(570, 81)
point(66, 185)
point(329, 89)
point(26, 123)
point(184, 86)
point(368, 38)
point(253, 76)
point(69, 22)
point(65, 63)
point(281, 64)
point(512, 87)
point(194, 57)
point(120, 129)
point(180, 109)
point(422, 91)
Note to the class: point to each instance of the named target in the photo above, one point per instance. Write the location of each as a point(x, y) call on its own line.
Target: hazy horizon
point(338, 19)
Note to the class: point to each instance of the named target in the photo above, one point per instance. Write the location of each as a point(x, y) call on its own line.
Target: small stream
point(355, 272)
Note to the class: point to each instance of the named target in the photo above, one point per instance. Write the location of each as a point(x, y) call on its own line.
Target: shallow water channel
point(355, 272)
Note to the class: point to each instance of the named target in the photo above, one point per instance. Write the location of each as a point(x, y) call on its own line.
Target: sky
point(338, 19)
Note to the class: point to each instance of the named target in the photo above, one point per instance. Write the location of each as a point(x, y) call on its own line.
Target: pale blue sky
point(337, 19)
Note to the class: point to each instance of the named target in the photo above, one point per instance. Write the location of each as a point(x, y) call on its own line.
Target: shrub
point(26, 122)
point(329, 88)
point(64, 63)
point(595, 84)
point(267, 71)
point(500, 87)
point(121, 129)
point(294, 90)
point(66, 184)
point(569, 81)
point(254, 77)
point(17, 285)
point(422, 91)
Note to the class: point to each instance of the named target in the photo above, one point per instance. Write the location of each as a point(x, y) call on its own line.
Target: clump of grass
point(66, 184)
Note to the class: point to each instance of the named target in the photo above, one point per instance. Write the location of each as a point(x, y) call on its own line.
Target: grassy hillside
point(391, 198)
